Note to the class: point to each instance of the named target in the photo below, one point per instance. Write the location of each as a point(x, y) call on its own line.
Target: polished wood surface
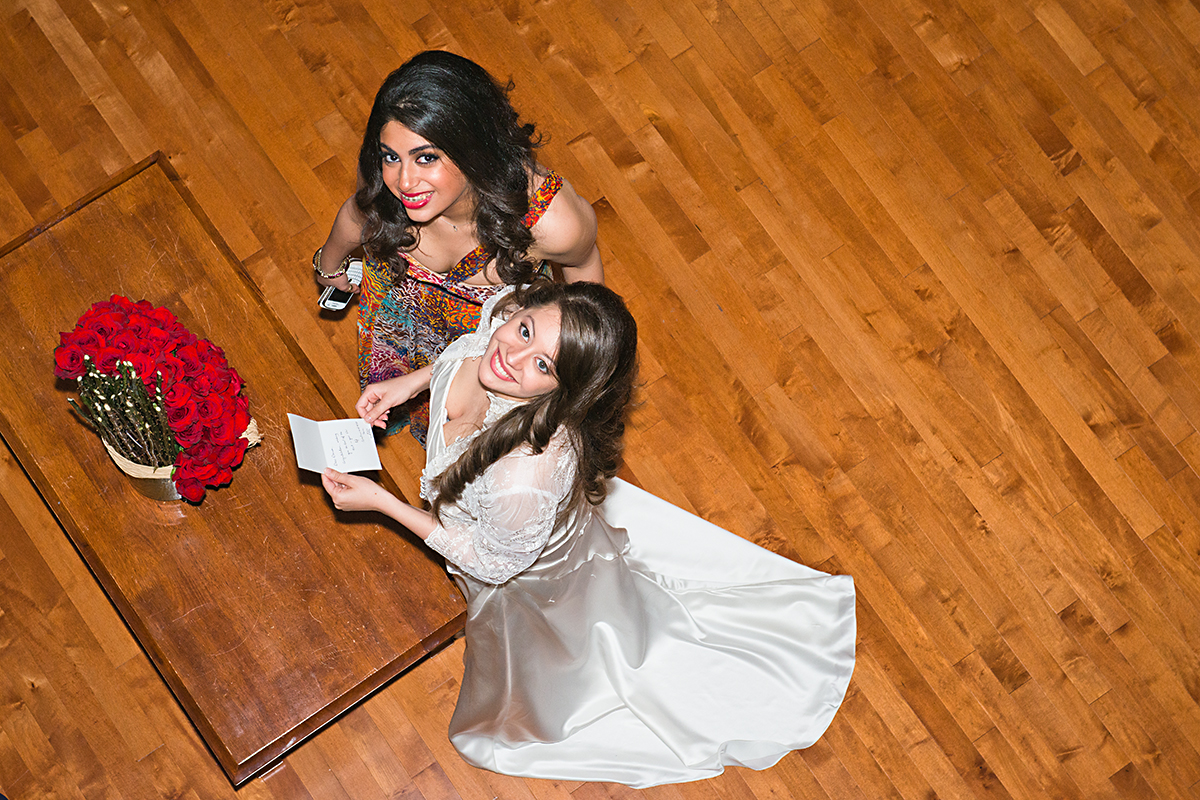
point(918, 292)
point(265, 611)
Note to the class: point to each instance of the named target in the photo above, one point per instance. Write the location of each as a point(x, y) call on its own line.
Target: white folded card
point(347, 445)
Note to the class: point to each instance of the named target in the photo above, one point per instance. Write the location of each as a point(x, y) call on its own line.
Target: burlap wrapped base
point(153, 482)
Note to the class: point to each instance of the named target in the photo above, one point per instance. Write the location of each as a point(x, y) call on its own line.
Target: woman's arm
point(378, 398)
point(356, 493)
point(566, 235)
point(344, 237)
point(590, 269)
point(508, 522)
point(506, 516)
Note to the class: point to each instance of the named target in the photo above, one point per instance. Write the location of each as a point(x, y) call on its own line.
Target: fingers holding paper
point(353, 492)
point(375, 403)
point(378, 398)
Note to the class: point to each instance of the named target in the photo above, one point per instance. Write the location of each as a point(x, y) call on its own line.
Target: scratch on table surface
point(156, 261)
point(245, 637)
point(239, 644)
point(190, 611)
point(308, 601)
point(329, 646)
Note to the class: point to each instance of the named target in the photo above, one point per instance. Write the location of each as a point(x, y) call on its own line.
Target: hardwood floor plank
point(931, 756)
point(918, 302)
point(1164, 773)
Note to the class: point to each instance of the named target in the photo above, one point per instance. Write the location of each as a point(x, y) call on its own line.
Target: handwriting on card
point(347, 445)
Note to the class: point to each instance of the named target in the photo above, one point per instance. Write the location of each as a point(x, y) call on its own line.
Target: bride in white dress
point(610, 636)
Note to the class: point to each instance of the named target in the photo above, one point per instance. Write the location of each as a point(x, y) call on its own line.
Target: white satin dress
point(637, 643)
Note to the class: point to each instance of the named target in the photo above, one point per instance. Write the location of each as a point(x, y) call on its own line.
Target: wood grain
point(919, 302)
point(265, 615)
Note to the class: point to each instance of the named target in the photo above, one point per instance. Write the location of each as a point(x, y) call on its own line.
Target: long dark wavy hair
point(460, 109)
point(596, 367)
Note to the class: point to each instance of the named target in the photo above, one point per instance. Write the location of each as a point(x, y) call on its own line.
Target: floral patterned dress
point(407, 317)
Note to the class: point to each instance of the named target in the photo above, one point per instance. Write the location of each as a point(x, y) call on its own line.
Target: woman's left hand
point(354, 492)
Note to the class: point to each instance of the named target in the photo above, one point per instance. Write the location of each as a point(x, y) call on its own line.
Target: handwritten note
point(347, 445)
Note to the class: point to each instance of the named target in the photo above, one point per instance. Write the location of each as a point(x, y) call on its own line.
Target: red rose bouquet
point(156, 394)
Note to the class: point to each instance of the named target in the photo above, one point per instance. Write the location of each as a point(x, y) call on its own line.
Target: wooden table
point(266, 611)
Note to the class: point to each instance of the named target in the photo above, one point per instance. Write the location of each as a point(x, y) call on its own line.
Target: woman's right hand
point(356, 493)
point(326, 261)
point(378, 398)
point(340, 282)
point(353, 492)
point(344, 237)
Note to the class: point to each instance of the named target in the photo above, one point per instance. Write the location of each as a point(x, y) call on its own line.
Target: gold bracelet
point(316, 261)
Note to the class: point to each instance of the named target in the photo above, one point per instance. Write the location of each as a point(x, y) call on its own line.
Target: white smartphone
point(334, 299)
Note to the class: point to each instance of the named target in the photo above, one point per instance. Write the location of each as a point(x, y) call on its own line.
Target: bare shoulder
point(566, 232)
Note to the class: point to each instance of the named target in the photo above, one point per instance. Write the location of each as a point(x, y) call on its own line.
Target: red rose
point(171, 368)
point(229, 428)
point(105, 324)
point(148, 348)
point(182, 417)
point(192, 365)
point(162, 316)
point(190, 490)
point(189, 437)
point(108, 358)
point(218, 378)
point(201, 385)
point(181, 336)
point(86, 340)
point(100, 307)
point(223, 476)
point(177, 395)
point(235, 381)
point(68, 361)
point(203, 471)
point(231, 455)
point(140, 324)
point(210, 353)
point(125, 340)
point(145, 366)
point(202, 451)
point(159, 336)
point(211, 409)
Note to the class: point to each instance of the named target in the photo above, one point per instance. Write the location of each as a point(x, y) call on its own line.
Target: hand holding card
point(347, 445)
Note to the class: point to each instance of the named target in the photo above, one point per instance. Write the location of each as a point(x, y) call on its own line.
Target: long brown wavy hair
point(461, 110)
point(596, 367)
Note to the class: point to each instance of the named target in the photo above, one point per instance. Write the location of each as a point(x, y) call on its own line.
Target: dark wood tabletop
point(266, 611)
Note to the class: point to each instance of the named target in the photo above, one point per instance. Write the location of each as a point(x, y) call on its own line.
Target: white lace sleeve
point(504, 518)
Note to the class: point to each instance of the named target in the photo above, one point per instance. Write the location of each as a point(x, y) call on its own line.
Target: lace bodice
point(505, 517)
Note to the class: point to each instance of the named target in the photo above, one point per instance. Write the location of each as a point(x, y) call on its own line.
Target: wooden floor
point(919, 293)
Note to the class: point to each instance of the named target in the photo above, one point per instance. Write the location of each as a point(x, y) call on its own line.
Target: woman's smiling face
point(519, 361)
point(426, 182)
